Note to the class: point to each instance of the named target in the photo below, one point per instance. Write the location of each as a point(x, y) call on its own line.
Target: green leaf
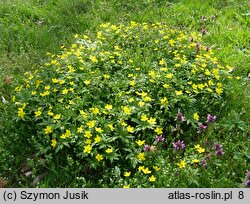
point(117, 171)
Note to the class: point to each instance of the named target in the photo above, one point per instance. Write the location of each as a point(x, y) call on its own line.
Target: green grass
point(30, 29)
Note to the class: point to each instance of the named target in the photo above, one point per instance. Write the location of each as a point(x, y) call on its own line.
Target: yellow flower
point(169, 76)
point(151, 74)
point(80, 129)
point(83, 114)
point(166, 86)
point(131, 100)
point(207, 72)
point(88, 141)
point(60, 100)
point(65, 91)
point(210, 82)
point(91, 123)
point(127, 174)
point(93, 59)
point(141, 103)
point(197, 146)
point(20, 112)
point(195, 161)
point(162, 61)
point(196, 116)
point(87, 82)
point(146, 171)
point(200, 150)
point(111, 127)
point(141, 156)
point(53, 143)
point(33, 93)
point(210, 90)
point(97, 139)
point(158, 130)
point(201, 86)
point(63, 136)
point(74, 45)
point(46, 93)
point(146, 99)
point(108, 106)
point(95, 111)
point(50, 113)
point(87, 134)
point(219, 85)
point(178, 93)
point(171, 42)
point(109, 150)
point(126, 186)
point(140, 142)
point(48, 130)
point(132, 83)
point(99, 157)
point(67, 133)
point(144, 118)
point(127, 110)
point(87, 149)
point(98, 129)
point(140, 168)
point(218, 90)
point(182, 164)
point(156, 168)
point(123, 123)
point(130, 129)
point(152, 121)
point(38, 112)
point(143, 94)
point(164, 101)
point(57, 116)
point(152, 178)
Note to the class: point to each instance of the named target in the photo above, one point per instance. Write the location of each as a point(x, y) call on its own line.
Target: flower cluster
point(113, 96)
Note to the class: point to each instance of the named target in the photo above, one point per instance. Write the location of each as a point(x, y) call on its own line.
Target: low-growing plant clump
point(129, 106)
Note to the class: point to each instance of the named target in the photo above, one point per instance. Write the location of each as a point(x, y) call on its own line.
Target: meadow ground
point(29, 30)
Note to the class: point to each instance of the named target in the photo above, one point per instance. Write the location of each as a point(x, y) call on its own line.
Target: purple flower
point(180, 117)
point(204, 163)
point(217, 146)
point(176, 129)
point(159, 138)
point(247, 183)
point(202, 128)
point(198, 46)
point(219, 152)
point(204, 31)
point(208, 48)
point(210, 118)
point(248, 175)
point(204, 18)
point(147, 148)
point(218, 149)
point(179, 145)
point(207, 142)
point(213, 17)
